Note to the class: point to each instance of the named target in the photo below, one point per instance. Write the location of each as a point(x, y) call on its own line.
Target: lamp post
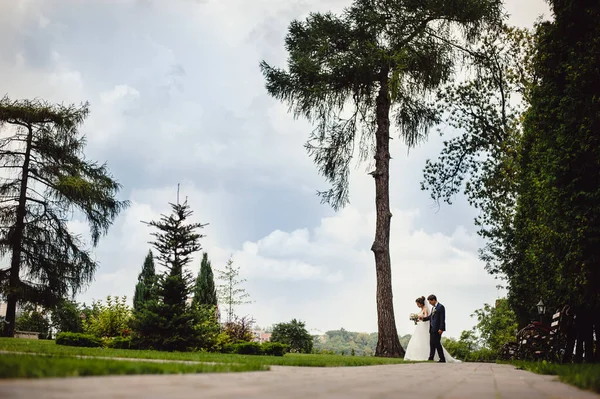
point(541, 308)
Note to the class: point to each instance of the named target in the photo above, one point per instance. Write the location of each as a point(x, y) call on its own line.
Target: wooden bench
point(532, 342)
point(509, 351)
point(562, 323)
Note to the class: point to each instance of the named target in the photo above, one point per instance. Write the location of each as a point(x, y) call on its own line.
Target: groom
point(436, 327)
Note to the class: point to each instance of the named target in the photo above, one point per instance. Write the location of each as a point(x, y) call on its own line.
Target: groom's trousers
point(435, 344)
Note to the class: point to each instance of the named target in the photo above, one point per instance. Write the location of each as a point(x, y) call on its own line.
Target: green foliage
point(274, 348)
point(35, 321)
point(231, 294)
point(247, 348)
point(205, 292)
point(49, 180)
point(117, 342)
point(145, 289)
point(496, 325)
point(67, 317)
point(110, 319)
point(77, 339)
point(293, 334)
point(239, 329)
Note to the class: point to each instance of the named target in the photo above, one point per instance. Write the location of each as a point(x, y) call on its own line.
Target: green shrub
point(108, 320)
point(483, 355)
point(247, 348)
point(117, 342)
point(274, 348)
point(77, 339)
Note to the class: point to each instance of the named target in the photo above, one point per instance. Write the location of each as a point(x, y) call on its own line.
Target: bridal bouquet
point(414, 317)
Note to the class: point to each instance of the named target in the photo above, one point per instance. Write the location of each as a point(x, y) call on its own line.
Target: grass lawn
point(50, 348)
point(31, 366)
point(584, 376)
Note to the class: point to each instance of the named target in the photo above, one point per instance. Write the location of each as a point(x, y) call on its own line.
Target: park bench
point(509, 351)
point(540, 342)
point(560, 328)
point(27, 334)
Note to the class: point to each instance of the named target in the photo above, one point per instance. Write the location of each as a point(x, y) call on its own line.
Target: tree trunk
point(16, 240)
point(388, 344)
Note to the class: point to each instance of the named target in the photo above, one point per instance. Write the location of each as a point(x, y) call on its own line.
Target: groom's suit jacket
point(437, 318)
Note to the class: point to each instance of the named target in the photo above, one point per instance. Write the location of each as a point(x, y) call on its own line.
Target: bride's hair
point(421, 301)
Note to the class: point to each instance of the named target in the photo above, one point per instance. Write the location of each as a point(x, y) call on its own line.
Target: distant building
point(261, 336)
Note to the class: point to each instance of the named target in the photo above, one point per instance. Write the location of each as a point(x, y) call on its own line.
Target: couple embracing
point(426, 341)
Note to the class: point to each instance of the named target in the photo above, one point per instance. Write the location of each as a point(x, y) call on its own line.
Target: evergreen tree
point(348, 73)
point(167, 322)
point(46, 179)
point(230, 291)
point(204, 290)
point(145, 289)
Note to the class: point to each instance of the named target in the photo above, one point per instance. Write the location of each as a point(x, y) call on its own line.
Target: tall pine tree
point(45, 179)
point(205, 292)
point(145, 289)
point(359, 74)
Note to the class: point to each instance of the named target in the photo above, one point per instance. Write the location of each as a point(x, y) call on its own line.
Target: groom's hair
point(431, 298)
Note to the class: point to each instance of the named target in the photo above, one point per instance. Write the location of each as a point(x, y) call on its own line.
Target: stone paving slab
point(421, 381)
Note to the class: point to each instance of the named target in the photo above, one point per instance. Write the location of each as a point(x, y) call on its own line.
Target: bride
point(418, 346)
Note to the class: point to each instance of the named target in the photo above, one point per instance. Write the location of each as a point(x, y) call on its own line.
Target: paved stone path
point(420, 381)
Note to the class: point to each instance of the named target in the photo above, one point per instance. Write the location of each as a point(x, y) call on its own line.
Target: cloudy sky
point(176, 96)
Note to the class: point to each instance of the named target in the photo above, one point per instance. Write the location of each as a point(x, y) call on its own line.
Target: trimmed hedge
point(274, 348)
point(77, 339)
point(247, 348)
point(118, 343)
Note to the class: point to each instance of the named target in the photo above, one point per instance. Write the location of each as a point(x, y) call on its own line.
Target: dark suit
point(438, 322)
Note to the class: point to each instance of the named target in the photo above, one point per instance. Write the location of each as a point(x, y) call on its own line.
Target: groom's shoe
point(430, 360)
point(442, 361)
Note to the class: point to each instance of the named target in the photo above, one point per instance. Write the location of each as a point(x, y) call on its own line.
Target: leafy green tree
point(67, 317)
point(496, 325)
point(168, 322)
point(145, 289)
point(557, 223)
point(347, 73)
point(49, 179)
point(110, 319)
point(293, 334)
point(205, 292)
point(35, 321)
point(230, 291)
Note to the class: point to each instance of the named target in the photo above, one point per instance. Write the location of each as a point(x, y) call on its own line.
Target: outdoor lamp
point(541, 307)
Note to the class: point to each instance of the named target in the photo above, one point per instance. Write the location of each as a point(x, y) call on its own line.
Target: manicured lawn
point(584, 376)
point(49, 347)
point(31, 366)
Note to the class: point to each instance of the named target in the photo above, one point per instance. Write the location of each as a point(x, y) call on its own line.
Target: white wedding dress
point(418, 346)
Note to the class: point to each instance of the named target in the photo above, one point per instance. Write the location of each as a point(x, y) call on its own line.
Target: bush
point(274, 348)
point(293, 334)
point(239, 329)
point(247, 348)
point(483, 355)
point(34, 321)
point(77, 339)
point(117, 342)
point(108, 320)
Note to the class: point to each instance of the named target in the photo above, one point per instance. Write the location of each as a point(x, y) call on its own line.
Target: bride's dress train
point(418, 346)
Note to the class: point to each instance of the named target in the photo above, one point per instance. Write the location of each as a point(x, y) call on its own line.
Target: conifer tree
point(358, 74)
point(168, 322)
point(204, 290)
point(45, 179)
point(145, 289)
